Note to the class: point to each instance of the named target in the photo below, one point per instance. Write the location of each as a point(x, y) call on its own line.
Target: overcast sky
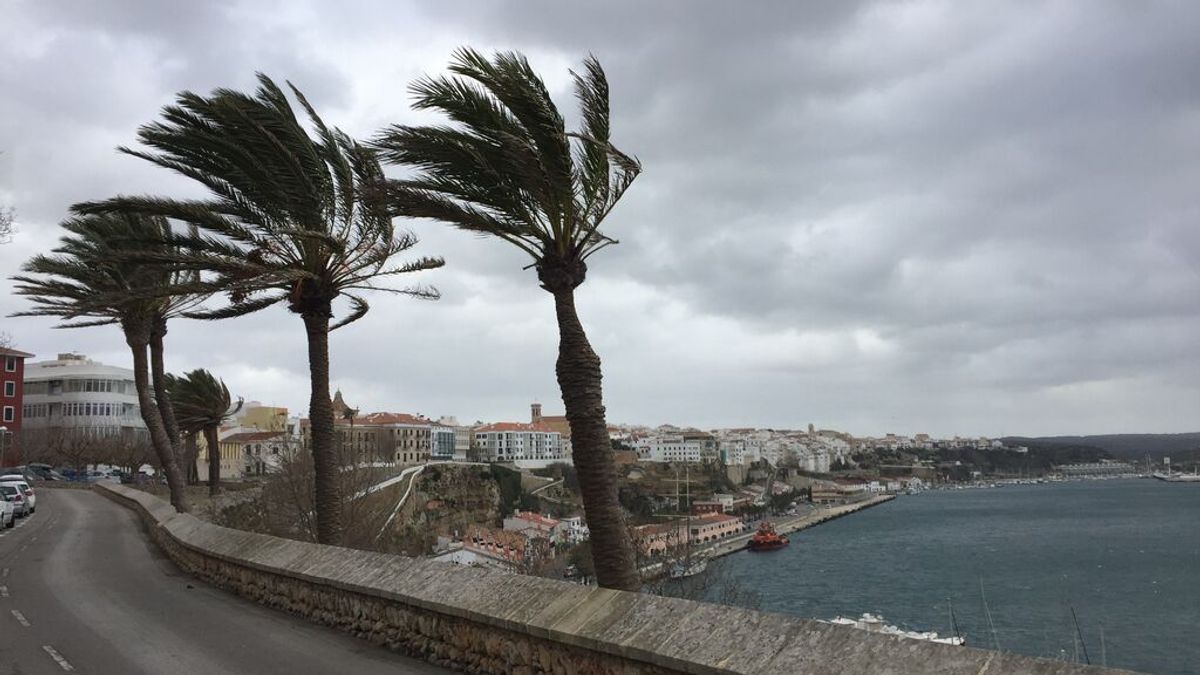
point(955, 218)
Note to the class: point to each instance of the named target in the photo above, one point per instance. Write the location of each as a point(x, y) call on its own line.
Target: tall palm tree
point(509, 168)
point(90, 280)
point(292, 218)
point(202, 403)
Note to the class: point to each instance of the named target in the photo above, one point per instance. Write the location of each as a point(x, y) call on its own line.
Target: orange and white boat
point(767, 539)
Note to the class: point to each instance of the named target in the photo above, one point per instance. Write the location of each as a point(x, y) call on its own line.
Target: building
point(74, 394)
point(673, 537)
point(534, 525)
point(12, 411)
point(513, 441)
point(379, 437)
point(673, 448)
point(442, 441)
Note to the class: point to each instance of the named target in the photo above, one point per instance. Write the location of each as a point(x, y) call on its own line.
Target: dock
point(795, 524)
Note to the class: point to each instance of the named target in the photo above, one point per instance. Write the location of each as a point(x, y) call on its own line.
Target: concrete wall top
point(682, 635)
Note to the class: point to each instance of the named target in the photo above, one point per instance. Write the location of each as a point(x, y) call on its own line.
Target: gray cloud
point(876, 216)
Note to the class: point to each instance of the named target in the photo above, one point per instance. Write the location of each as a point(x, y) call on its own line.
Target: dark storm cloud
point(877, 215)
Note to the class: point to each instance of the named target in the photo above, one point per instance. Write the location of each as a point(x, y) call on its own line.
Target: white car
point(25, 488)
point(13, 495)
point(8, 513)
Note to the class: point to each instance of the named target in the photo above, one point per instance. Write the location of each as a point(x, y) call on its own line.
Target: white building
point(75, 393)
point(669, 448)
point(514, 441)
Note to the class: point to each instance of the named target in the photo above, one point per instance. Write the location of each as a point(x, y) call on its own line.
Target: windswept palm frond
point(296, 215)
point(508, 167)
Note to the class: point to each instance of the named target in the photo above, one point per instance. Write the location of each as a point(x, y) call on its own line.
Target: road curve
point(83, 590)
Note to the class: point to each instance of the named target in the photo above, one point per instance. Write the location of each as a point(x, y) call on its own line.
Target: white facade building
point(75, 393)
point(514, 441)
point(668, 448)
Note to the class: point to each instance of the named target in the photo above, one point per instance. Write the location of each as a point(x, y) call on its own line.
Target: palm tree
point(510, 169)
point(291, 219)
point(90, 280)
point(202, 403)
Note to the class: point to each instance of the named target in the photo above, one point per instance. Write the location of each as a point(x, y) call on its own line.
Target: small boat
point(1178, 477)
point(689, 568)
point(873, 623)
point(767, 539)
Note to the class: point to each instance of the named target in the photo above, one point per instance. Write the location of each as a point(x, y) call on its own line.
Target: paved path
point(83, 590)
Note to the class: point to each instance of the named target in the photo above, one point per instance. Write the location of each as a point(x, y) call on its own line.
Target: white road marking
point(3, 591)
point(21, 618)
point(58, 658)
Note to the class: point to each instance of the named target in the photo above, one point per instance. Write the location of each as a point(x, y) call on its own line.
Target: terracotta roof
point(252, 436)
point(537, 518)
point(383, 419)
point(515, 426)
point(717, 517)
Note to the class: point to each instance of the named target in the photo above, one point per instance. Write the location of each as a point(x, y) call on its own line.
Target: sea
point(1019, 566)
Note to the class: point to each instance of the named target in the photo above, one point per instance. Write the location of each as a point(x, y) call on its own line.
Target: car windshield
point(7, 490)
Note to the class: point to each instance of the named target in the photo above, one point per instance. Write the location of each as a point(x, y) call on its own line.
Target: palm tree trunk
point(327, 497)
point(138, 341)
point(159, 376)
point(192, 452)
point(579, 378)
point(214, 460)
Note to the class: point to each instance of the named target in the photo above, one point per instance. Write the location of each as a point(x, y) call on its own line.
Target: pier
point(792, 524)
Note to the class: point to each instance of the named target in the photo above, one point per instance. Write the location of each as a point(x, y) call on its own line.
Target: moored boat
point(767, 539)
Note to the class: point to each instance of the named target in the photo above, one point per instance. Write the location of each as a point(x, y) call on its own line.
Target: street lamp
point(3, 444)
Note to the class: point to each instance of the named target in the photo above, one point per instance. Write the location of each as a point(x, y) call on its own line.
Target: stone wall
point(486, 621)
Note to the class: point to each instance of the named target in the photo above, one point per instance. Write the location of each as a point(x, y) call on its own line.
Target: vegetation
point(511, 170)
point(202, 404)
point(91, 280)
point(292, 219)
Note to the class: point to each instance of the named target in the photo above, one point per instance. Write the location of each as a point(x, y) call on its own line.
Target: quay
point(796, 523)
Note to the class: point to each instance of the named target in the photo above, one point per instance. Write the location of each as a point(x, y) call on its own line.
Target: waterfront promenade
point(788, 525)
point(784, 525)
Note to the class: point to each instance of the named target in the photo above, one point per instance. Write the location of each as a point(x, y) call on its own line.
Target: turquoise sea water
point(1124, 553)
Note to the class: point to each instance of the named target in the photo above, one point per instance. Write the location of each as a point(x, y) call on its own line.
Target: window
point(10, 388)
point(10, 413)
point(10, 364)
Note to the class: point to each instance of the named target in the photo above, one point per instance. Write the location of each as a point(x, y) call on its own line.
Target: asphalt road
point(83, 590)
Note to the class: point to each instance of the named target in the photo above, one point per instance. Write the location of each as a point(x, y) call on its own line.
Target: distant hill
point(1124, 446)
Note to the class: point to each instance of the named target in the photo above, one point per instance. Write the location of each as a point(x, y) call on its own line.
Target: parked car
point(25, 488)
point(8, 513)
point(13, 494)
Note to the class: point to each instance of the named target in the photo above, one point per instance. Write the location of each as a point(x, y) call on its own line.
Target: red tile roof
point(384, 419)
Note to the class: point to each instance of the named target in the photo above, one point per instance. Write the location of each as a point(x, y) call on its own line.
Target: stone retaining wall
point(486, 621)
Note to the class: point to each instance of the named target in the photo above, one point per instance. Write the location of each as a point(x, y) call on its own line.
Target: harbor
point(789, 524)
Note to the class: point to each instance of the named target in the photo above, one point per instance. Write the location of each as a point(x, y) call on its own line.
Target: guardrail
point(489, 621)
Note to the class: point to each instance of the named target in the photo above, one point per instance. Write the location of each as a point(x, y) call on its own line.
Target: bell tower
point(535, 413)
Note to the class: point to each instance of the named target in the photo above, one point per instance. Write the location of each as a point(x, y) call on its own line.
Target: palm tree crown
point(509, 168)
point(291, 217)
point(201, 400)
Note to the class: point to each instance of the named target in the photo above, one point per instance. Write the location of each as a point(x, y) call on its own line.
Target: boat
point(873, 623)
point(1178, 477)
point(767, 539)
point(689, 568)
